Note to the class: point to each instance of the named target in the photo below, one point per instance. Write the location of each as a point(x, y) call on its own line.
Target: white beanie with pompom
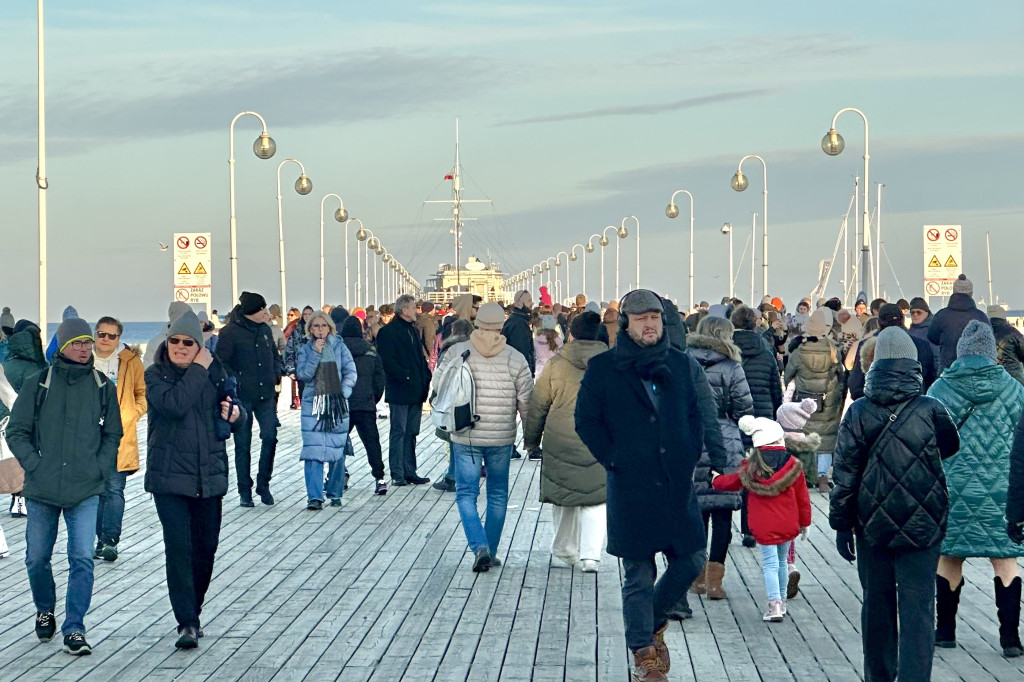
point(762, 431)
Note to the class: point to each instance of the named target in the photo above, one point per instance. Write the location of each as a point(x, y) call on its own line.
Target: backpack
point(453, 408)
point(44, 387)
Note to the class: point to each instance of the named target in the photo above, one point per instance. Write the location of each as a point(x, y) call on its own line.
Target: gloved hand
point(1015, 531)
point(844, 543)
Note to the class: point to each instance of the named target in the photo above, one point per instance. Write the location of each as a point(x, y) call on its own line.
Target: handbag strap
point(892, 420)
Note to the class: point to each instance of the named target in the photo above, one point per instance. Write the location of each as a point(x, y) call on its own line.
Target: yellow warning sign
point(183, 270)
point(200, 270)
point(950, 262)
point(934, 262)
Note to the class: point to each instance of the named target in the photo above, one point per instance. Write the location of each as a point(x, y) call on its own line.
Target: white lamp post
point(672, 211)
point(564, 294)
point(833, 145)
point(351, 220)
point(637, 220)
point(341, 215)
point(727, 229)
point(739, 183)
point(362, 290)
point(303, 186)
point(622, 234)
point(264, 148)
point(573, 257)
point(41, 182)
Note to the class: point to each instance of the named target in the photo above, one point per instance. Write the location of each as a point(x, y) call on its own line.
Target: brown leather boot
point(823, 486)
point(698, 586)
point(647, 666)
point(662, 648)
point(715, 574)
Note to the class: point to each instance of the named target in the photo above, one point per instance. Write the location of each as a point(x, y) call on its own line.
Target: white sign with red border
point(192, 267)
point(943, 258)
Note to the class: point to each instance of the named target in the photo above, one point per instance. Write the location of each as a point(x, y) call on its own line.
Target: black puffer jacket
point(761, 370)
point(1010, 343)
point(924, 357)
point(185, 457)
point(948, 325)
point(369, 386)
point(516, 331)
point(24, 355)
point(893, 495)
point(248, 350)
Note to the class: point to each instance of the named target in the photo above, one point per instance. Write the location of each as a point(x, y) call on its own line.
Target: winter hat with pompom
point(794, 416)
point(762, 431)
point(977, 339)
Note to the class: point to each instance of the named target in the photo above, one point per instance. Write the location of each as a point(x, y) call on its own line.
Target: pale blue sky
point(573, 115)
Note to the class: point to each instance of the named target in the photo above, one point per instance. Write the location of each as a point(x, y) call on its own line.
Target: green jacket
point(985, 402)
point(67, 452)
point(24, 356)
point(818, 371)
point(569, 474)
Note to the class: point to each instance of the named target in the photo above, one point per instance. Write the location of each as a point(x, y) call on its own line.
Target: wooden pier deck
point(381, 590)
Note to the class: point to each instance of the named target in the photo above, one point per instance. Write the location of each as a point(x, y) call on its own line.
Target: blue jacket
point(319, 445)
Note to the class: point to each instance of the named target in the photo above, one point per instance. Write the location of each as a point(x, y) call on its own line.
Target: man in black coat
point(641, 411)
point(247, 349)
point(890, 315)
point(950, 322)
point(516, 329)
point(405, 389)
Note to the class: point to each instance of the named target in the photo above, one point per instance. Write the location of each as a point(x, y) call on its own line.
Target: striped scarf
point(329, 405)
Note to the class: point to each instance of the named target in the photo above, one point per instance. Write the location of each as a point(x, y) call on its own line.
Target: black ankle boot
point(947, 601)
point(1008, 608)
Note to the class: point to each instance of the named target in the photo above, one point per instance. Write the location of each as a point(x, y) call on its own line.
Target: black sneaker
point(347, 476)
point(188, 637)
point(749, 541)
point(516, 454)
point(398, 482)
point(315, 505)
point(98, 554)
point(445, 485)
point(46, 625)
point(265, 497)
point(495, 562)
point(336, 502)
point(483, 560)
point(110, 552)
point(76, 645)
point(417, 480)
point(245, 498)
point(534, 456)
point(381, 488)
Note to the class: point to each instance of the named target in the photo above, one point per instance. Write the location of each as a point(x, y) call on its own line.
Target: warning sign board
point(191, 273)
point(943, 258)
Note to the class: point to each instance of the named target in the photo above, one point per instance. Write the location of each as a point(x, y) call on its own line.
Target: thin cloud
point(646, 109)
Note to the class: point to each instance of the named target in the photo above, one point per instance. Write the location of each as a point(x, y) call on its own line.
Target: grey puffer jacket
point(721, 363)
point(816, 368)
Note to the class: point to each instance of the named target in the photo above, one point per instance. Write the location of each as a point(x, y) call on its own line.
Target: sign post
point(943, 259)
point(192, 264)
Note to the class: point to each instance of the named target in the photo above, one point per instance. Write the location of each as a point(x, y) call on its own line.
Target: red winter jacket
point(778, 507)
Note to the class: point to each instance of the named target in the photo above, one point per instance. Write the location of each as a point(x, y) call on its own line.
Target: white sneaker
point(569, 561)
point(589, 566)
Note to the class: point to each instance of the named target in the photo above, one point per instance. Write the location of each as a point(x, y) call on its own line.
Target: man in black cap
point(644, 411)
point(890, 315)
point(247, 348)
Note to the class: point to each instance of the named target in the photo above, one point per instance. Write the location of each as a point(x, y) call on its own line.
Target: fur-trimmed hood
point(800, 443)
point(130, 350)
point(779, 483)
point(702, 342)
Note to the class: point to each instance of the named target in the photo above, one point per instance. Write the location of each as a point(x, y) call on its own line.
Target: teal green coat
point(977, 477)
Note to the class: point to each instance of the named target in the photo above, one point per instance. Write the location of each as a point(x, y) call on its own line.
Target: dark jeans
point(111, 512)
point(365, 422)
point(897, 618)
point(191, 532)
point(405, 426)
point(264, 412)
point(645, 602)
point(721, 533)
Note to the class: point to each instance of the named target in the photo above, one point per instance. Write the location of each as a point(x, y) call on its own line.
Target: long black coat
point(893, 491)
point(185, 457)
point(405, 369)
point(761, 370)
point(649, 454)
point(948, 325)
point(516, 331)
point(248, 350)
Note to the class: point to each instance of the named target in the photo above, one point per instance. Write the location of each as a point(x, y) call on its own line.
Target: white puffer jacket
point(503, 388)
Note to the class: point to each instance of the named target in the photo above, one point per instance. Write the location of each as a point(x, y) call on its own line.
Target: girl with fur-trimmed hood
point(780, 508)
point(792, 417)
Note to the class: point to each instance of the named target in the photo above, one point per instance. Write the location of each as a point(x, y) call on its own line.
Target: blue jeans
point(775, 569)
point(111, 509)
point(450, 474)
point(467, 487)
point(40, 537)
point(315, 479)
point(824, 463)
point(336, 472)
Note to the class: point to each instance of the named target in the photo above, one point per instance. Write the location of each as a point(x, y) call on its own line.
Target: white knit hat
point(794, 416)
point(762, 431)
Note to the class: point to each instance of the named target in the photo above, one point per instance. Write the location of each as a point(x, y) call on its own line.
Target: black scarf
point(647, 361)
point(329, 405)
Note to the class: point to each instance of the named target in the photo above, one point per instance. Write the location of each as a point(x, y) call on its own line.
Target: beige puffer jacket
point(503, 388)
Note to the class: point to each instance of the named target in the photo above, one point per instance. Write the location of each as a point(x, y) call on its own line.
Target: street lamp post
point(637, 220)
point(739, 183)
point(727, 229)
point(303, 186)
point(350, 220)
point(364, 235)
point(833, 145)
point(573, 257)
point(41, 182)
point(621, 233)
point(547, 266)
point(672, 211)
point(341, 215)
point(264, 148)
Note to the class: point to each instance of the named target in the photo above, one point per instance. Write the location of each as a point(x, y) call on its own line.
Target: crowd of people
point(652, 428)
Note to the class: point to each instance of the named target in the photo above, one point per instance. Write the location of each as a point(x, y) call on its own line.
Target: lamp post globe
point(303, 185)
point(833, 143)
point(590, 247)
point(622, 233)
point(380, 249)
point(264, 147)
point(373, 244)
point(739, 181)
point(604, 241)
point(341, 215)
point(361, 235)
point(672, 211)
point(573, 257)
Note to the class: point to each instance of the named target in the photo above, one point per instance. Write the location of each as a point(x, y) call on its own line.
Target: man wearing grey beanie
point(949, 323)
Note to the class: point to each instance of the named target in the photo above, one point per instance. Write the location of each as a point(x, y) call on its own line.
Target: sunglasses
point(188, 343)
point(107, 335)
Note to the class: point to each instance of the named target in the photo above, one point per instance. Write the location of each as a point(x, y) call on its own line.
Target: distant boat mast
point(456, 201)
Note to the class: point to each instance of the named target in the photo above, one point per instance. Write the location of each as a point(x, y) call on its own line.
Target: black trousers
point(264, 412)
point(645, 602)
point(721, 533)
point(365, 422)
point(405, 426)
point(191, 531)
point(897, 618)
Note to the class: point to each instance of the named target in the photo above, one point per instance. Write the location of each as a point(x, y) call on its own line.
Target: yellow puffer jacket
point(131, 396)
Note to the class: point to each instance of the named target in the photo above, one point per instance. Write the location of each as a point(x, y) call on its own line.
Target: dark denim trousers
point(405, 426)
point(40, 537)
point(191, 532)
point(265, 413)
point(645, 602)
point(897, 618)
point(111, 510)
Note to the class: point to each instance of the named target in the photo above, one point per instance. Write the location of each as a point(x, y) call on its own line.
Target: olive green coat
point(569, 474)
point(818, 372)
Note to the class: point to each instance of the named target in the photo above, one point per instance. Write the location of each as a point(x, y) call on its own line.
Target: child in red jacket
point(779, 507)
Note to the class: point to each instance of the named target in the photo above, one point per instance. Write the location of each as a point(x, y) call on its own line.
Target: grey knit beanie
point(962, 285)
point(188, 325)
point(794, 416)
point(72, 329)
point(894, 343)
point(977, 339)
point(6, 319)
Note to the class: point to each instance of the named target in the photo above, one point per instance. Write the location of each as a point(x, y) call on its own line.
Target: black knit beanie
point(251, 303)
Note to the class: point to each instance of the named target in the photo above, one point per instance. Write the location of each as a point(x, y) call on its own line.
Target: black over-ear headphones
point(623, 317)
